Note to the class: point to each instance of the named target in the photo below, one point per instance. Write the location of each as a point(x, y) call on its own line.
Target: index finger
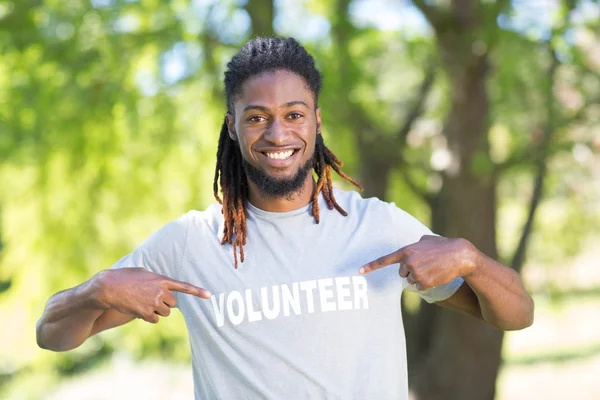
point(188, 288)
point(384, 261)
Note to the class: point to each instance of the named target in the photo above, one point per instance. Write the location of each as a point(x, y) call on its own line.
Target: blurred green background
point(481, 118)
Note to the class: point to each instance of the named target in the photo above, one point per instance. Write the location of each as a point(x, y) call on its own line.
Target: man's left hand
point(430, 262)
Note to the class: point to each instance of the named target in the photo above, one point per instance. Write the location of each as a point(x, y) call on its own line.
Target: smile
point(279, 155)
point(279, 158)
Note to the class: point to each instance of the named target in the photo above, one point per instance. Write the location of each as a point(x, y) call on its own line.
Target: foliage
point(110, 111)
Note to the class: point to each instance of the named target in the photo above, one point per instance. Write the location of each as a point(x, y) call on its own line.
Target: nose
point(277, 133)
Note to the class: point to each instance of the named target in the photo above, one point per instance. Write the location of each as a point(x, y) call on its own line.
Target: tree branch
point(416, 109)
point(422, 194)
point(498, 7)
point(523, 157)
point(551, 126)
point(261, 17)
point(580, 114)
point(518, 259)
point(432, 15)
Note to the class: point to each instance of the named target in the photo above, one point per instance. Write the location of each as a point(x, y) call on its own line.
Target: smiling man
point(305, 279)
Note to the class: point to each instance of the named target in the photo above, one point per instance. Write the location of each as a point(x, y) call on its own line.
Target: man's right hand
point(142, 294)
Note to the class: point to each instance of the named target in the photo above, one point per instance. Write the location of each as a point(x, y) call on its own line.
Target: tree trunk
point(460, 356)
point(374, 174)
point(261, 15)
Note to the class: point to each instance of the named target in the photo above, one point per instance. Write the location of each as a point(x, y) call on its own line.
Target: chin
point(281, 173)
point(278, 182)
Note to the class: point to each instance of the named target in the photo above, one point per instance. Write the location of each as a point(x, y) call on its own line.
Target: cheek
point(244, 149)
point(245, 146)
point(311, 141)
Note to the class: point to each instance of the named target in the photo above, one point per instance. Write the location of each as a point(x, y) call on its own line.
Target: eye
point(295, 115)
point(256, 118)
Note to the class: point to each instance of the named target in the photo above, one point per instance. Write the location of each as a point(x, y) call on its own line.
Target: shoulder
point(211, 218)
point(407, 228)
point(354, 203)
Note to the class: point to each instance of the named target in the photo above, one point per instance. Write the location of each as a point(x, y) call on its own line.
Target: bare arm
point(492, 291)
point(497, 291)
point(110, 318)
point(111, 298)
point(464, 301)
point(73, 315)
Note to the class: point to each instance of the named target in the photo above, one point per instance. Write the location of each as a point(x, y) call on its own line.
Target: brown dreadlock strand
point(230, 176)
point(324, 161)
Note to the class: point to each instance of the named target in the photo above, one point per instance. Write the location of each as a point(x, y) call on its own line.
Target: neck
point(282, 204)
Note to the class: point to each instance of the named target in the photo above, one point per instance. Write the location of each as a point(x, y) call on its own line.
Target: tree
point(446, 348)
point(113, 107)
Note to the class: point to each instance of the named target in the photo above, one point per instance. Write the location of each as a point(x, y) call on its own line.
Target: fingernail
point(362, 270)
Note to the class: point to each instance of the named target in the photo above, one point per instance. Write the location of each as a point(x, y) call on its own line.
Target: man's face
point(275, 125)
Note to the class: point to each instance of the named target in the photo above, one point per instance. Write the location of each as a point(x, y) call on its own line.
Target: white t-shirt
point(296, 319)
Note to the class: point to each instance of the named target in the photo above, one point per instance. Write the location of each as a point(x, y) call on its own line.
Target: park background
point(481, 118)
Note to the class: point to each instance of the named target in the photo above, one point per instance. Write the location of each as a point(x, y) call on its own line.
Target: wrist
point(471, 259)
point(98, 291)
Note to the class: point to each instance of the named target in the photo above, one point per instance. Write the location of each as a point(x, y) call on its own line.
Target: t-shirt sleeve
point(409, 230)
point(161, 253)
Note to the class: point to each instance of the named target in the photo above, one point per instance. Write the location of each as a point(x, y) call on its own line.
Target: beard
point(278, 188)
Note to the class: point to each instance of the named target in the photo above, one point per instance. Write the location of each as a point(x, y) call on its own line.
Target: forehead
point(274, 88)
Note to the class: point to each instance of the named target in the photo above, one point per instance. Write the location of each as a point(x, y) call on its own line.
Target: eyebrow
point(286, 105)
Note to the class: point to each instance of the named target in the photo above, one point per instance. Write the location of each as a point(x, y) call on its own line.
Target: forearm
point(69, 317)
point(503, 300)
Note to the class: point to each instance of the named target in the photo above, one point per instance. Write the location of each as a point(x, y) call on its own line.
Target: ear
point(231, 126)
point(318, 115)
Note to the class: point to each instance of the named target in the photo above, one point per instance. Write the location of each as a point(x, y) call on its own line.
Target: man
point(297, 306)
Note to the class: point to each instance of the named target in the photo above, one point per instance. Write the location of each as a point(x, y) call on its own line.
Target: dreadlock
point(261, 55)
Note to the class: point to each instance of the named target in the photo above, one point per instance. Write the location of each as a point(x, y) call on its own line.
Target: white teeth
point(280, 155)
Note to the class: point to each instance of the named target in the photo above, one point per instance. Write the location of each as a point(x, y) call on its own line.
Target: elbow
point(39, 335)
point(522, 320)
point(529, 313)
point(47, 341)
point(517, 325)
point(513, 321)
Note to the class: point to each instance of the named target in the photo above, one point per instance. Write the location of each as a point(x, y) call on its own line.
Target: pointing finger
point(163, 310)
point(151, 317)
point(384, 261)
point(404, 271)
point(169, 299)
point(188, 288)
